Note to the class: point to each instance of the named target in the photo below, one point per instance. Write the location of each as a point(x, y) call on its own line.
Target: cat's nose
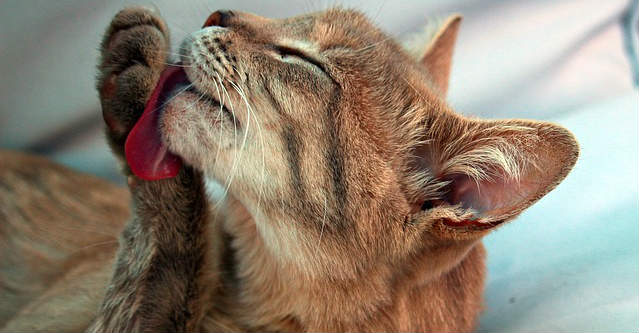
point(219, 18)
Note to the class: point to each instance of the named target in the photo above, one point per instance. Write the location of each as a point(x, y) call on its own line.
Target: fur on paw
point(134, 52)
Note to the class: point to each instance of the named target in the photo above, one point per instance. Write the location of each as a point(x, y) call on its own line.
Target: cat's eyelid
point(284, 51)
point(297, 45)
point(291, 51)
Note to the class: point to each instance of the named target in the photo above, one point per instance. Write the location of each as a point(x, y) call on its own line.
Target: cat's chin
point(190, 126)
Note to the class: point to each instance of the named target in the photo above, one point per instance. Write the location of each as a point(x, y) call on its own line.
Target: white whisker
point(175, 65)
point(181, 91)
point(319, 243)
point(93, 245)
point(242, 148)
point(261, 137)
point(179, 55)
point(229, 179)
point(220, 114)
point(366, 48)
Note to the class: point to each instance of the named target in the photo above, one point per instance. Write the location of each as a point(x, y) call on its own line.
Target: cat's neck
point(272, 281)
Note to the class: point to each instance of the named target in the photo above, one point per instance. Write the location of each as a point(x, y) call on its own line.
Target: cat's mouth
point(145, 152)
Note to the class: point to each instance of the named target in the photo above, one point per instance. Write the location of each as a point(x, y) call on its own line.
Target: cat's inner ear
point(434, 49)
point(487, 172)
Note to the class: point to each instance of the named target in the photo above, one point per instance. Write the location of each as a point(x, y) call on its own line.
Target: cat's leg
point(159, 283)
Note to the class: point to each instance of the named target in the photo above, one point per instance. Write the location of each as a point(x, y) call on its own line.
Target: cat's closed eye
point(286, 53)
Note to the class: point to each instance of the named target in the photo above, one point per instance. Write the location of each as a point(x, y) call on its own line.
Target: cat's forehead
point(334, 27)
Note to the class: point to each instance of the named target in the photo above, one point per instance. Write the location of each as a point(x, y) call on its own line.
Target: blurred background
point(570, 263)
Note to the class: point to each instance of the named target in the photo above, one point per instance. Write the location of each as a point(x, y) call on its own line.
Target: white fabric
point(570, 263)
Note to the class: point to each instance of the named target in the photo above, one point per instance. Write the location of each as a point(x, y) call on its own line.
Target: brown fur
point(58, 232)
point(356, 199)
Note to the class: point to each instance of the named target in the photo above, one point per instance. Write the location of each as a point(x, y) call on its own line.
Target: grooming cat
point(354, 199)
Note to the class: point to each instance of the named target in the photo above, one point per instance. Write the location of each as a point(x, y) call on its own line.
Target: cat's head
point(341, 146)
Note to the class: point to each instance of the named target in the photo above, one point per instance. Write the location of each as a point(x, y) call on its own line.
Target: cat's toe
point(134, 51)
point(135, 34)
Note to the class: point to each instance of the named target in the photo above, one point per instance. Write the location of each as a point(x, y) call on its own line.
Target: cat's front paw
point(134, 52)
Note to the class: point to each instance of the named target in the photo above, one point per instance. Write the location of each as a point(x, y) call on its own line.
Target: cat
point(353, 197)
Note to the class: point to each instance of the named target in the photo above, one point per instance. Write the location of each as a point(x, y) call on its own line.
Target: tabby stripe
point(335, 163)
point(291, 141)
point(292, 144)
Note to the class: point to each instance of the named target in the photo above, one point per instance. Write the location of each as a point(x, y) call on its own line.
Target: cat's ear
point(434, 49)
point(487, 172)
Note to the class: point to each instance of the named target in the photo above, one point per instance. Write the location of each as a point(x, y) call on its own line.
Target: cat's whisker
point(261, 137)
point(176, 65)
point(219, 79)
point(260, 134)
point(220, 114)
point(206, 5)
point(319, 243)
point(179, 55)
point(229, 179)
point(311, 6)
point(106, 49)
point(424, 99)
point(371, 46)
point(242, 146)
point(93, 245)
point(169, 63)
point(200, 97)
point(220, 110)
point(215, 82)
point(379, 11)
point(179, 27)
point(181, 91)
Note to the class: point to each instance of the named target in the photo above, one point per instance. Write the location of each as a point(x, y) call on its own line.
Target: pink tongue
point(145, 152)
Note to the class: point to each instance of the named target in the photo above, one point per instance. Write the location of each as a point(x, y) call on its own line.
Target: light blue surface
point(571, 262)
